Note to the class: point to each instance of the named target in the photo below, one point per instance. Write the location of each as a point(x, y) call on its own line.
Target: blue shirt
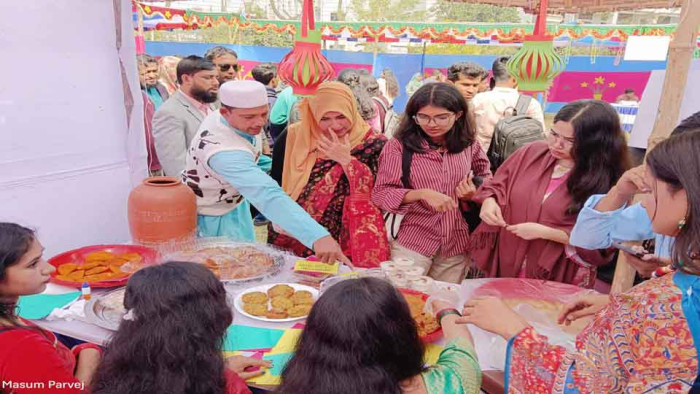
point(597, 230)
point(239, 169)
point(155, 96)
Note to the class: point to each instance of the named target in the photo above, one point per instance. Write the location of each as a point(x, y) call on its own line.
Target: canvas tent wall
point(71, 121)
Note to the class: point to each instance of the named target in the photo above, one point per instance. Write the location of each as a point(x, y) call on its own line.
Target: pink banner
point(140, 45)
point(571, 86)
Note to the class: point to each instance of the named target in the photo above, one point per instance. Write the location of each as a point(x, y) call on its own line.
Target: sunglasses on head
point(225, 67)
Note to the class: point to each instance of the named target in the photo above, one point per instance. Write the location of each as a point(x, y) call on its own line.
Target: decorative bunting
point(387, 32)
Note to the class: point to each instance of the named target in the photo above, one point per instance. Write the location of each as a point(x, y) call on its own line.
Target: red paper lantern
point(305, 68)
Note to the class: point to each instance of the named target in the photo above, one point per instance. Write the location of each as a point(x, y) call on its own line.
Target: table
point(85, 331)
point(490, 357)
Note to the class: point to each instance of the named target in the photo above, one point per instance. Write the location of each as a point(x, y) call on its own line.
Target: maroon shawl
point(519, 187)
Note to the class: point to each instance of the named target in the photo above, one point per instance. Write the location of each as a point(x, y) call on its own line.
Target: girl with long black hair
point(360, 338)
point(436, 138)
point(32, 358)
point(531, 204)
point(172, 341)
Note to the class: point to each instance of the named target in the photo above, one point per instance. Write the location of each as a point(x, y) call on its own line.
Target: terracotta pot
point(162, 210)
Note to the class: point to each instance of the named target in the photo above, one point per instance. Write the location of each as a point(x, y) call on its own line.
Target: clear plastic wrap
point(539, 302)
point(236, 263)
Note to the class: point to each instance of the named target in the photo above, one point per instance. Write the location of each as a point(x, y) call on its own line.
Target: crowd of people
point(343, 177)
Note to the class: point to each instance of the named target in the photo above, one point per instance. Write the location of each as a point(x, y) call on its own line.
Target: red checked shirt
point(423, 229)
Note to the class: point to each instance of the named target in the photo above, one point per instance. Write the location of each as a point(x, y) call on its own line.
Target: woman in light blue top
point(610, 217)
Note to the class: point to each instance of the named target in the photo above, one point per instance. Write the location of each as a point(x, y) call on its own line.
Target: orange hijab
point(301, 151)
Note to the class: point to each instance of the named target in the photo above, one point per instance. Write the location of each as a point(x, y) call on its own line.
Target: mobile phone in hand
point(628, 249)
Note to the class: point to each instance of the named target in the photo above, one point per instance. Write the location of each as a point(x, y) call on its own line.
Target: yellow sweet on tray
point(97, 266)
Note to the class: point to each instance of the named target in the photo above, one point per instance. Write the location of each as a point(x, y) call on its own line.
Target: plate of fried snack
point(101, 265)
point(233, 263)
point(428, 327)
point(281, 302)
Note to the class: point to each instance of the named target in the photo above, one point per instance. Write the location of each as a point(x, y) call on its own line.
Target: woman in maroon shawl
point(531, 204)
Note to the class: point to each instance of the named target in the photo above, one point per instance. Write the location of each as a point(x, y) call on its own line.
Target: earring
point(681, 224)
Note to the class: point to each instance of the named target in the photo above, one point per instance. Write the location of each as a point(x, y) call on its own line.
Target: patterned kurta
point(640, 343)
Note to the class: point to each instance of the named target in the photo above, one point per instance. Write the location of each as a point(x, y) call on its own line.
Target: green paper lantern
point(535, 65)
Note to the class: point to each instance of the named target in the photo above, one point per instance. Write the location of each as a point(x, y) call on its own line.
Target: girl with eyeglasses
point(438, 139)
point(531, 204)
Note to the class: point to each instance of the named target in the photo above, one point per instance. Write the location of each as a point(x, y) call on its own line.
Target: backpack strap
point(522, 105)
point(406, 159)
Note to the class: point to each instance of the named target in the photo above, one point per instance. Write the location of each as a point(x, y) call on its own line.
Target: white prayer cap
point(243, 94)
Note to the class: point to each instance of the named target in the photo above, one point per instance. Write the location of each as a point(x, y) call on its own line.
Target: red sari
point(339, 200)
point(519, 187)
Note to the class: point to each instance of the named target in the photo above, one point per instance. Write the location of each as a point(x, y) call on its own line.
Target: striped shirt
point(423, 230)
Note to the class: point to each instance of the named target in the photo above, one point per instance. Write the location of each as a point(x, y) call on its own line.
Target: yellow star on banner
point(147, 9)
point(612, 84)
point(600, 81)
point(584, 84)
point(168, 15)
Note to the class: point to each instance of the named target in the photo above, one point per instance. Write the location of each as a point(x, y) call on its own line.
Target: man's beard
point(203, 95)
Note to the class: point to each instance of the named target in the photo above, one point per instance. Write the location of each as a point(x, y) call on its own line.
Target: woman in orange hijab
point(328, 163)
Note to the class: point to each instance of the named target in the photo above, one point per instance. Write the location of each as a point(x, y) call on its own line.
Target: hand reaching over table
point(239, 364)
point(492, 314)
point(586, 305)
point(328, 251)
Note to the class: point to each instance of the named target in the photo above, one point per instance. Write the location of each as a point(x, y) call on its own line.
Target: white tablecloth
point(489, 347)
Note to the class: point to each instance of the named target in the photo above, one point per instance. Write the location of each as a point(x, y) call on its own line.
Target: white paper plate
point(238, 301)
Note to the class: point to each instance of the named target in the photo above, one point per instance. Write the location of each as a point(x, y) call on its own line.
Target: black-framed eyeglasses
point(440, 120)
point(226, 67)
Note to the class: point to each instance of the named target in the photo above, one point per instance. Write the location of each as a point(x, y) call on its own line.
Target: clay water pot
point(162, 210)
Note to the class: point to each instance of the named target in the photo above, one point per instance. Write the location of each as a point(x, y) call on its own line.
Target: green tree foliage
point(224, 34)
point(451, 11)
point(388, 10)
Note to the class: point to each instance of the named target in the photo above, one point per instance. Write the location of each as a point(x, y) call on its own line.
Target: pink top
point(202, 107)
point(554, 183)
point(423, 230)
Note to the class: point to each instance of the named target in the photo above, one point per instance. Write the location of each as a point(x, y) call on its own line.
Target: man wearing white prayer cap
point(224, 168)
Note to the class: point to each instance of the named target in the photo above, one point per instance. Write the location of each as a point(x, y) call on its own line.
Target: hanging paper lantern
point(305, 68)
point(536, 63)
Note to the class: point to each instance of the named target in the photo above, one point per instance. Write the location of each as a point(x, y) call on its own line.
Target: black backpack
point(513, 132)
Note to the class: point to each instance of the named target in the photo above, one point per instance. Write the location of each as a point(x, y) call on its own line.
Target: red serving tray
point(433, 336)
point(150, 257)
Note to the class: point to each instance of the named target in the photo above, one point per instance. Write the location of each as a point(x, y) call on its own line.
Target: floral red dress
point(339, 200)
